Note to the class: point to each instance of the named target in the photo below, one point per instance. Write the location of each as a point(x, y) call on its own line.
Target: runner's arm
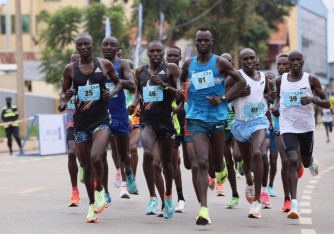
point(128, 79)
point(132, 107)
point(275, 110)
point(320, 97)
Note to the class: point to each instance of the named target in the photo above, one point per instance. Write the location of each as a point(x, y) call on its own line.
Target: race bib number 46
point(110, 86)
point(203, 80)
point(89, 93)
point(153, 94)
point(255, 109)
point(293, 98)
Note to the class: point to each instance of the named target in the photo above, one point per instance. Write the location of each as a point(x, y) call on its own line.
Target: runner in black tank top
point(156, 84)
point(91, 119)
point(85, 117)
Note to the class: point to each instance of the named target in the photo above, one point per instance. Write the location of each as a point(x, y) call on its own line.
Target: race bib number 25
point(89, 93)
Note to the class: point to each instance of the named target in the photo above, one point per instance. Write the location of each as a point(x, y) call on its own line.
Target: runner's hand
point(306, 100)
point(246, 91)
point(131, 109)
point(106, 95)
point(215, 100)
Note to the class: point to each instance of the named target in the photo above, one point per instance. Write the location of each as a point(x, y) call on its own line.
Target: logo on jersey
point(97, 70)
point(162, 72)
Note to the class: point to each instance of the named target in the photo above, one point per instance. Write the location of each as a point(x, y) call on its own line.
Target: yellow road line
point(30, 190)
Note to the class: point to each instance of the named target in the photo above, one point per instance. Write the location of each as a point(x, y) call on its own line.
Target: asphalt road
point(35, 192)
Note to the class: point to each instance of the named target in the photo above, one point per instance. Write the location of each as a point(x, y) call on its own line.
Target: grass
point(34, 132)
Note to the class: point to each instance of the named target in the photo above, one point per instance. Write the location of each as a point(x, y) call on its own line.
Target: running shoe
point(124, 192)
point(180, 206)
point(294, 212)
point(233, 203)
point(220, 189)
point(75, 199)
point(203, 217)
point(250, 193)
point(240, 167)
point(300, 171)
point(211, 183)
point(222, 176)
point(131, 184)
point(314, 168)
point(153, 206)
point(91, 216)
point(108, 199)
point(169, 209)
point(117, 179)
point(81, 174)
point(272, 192)
point(100, 201)
point(255, 210)
point(287, 206)
point(266, 204)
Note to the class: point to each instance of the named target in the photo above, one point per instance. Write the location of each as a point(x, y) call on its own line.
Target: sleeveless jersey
point(117, 105)
point(205, 81)
point(294, 117)
point(89, 114)
point(156, 114)
point(252, 106)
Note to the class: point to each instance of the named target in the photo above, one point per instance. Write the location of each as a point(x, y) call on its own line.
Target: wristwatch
point(223, 98)
point(165, 86)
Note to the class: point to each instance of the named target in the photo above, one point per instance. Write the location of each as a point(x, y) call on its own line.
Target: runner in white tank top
point(250, 125)
point(295, 98)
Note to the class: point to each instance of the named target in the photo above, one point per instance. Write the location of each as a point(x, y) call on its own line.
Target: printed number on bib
point(254, 109)
point(110, 87)
point(71, 103)
point(153, 94)
point(203, 80)
point(293, 98)
point(89, 93)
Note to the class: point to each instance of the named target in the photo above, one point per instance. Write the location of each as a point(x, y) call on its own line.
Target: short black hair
point(282, 56)
point(175, 47)
point(203, 29)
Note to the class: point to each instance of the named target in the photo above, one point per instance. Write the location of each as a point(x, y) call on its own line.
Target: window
point(2, 24)
point(52, 0)
point(25, 23)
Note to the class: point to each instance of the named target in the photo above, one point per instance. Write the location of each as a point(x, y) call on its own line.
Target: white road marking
point(310, 186)
point(305, 203)
point(307, 191)
point(31, 190)
point(308, 231)
point(305, 220)
point(306, 211)
point(313, 181)
point(306, 197)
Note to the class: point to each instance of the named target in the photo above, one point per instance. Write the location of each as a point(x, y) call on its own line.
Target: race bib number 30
point(153, 94)
point(89, 93)
point(255, 109)
point(203, 80)
point(293, 98)
point(110, 86)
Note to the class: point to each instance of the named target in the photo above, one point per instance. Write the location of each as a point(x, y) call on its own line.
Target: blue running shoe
point(294, 212)
point(272, 191)
point(153, 206)
point(108, 199)
point(131, 184)
point(169, 209)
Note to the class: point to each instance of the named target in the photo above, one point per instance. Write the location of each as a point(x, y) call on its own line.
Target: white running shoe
point(180, 206)
point(124, 192)
point(117, 179)
point(255, 210)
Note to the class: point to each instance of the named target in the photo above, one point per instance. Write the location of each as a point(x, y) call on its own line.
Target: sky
point(330, 39)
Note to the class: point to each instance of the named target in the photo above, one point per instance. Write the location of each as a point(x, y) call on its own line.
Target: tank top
point(90, 114)
point(205, 81)
point(294, 117)
point(117, 104)
point(252, 106)
point(156, 114)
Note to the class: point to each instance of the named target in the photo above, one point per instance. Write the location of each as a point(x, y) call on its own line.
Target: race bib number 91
point(153, 94)
point(293, 98)
point(203, 80)
point(89, 93)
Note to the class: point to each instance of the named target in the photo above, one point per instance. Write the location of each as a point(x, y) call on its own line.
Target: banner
point(161, 28)
point(51, 132)
point(139, 36)
point(107, 28)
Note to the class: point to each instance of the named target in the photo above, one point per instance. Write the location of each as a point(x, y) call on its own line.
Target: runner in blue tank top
point(88, 77)
point(120, 123)
point(207, 110)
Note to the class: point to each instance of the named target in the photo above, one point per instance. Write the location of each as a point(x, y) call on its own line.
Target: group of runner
point(221, 116)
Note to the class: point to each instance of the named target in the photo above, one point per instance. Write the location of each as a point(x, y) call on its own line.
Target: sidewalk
point(30, 146)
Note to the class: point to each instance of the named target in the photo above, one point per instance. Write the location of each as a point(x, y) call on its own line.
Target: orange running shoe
point(211, 183)
point(287, 206)
point(220, 189)
point(301, 171)
point(75, 199)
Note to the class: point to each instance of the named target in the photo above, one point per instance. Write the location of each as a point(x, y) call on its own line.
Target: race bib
point(71, 103)
point(255, 109)
point(110, 87)
point(89, 93)
point(153, 94)
point(203, 80)
point(293, 98)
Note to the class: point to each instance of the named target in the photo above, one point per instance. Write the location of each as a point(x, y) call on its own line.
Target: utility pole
point(19, 71)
